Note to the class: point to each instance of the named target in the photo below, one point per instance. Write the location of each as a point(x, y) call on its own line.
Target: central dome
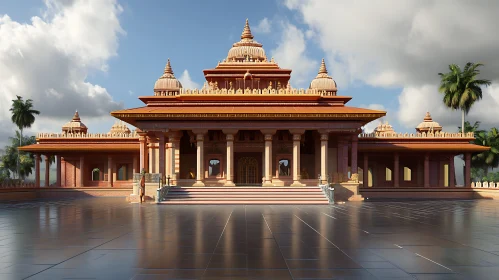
point(247, 48)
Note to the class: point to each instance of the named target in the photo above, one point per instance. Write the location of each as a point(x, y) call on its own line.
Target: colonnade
point(346, 146)
point(426, 180)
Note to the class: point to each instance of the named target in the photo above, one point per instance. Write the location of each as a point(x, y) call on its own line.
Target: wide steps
point(245, 195)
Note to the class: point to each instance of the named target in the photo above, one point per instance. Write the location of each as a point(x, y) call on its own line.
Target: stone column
point(143, 153)
point(58, 171)
point(467, 170)
point(37, 170)
point(161, 155)
point(229, 136)
point(355, 141)
point(82, 171)
point(324, 157)
point(199, 159)
point(174, 139)
point(345, 161)
point(135, 165)
point(365, 172)
point(427, 170)
point(339, 157)
point(396, 171)
point(110, 171)
point(452, 172)
point(296, 158)
point(46, 158)
point(268, 158)
point(74, 174)
point(63, 173)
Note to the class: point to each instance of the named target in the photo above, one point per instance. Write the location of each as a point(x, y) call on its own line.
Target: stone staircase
point(245, 195)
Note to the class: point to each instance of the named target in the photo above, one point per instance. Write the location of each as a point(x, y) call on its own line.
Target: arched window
point(214, 167)
point(284, 167)
point(122, 172)
point(388, 172)
point(96, 174)
point(407, 174)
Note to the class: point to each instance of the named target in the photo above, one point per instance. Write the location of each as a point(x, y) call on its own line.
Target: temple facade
point(248, 127)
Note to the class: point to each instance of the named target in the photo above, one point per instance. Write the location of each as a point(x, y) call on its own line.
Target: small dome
point(247, 48)
point(428, 125)
point(119, 127)
point(167, 82)
point(323, 81)
point(75, 125)
point(384, 128)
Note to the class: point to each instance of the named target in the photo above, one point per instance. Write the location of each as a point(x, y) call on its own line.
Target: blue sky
point(384, 58)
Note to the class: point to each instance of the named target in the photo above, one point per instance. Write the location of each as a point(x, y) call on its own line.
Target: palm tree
point(15, 161)
point(23, 117)
point(471, 128)
point(462, 89)
point(489, 158)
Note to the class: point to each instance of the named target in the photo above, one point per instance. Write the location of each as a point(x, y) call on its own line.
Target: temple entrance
point(247, 171)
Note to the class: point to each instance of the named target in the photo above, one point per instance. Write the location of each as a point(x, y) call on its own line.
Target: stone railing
point(487, 185)
point(16, 185)
point(88, 135)
point(224, 91)
point(417, 135)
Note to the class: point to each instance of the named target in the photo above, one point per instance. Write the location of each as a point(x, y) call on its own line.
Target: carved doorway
point(247, 173)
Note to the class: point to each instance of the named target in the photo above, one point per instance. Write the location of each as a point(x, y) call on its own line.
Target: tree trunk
point(19, 155)
point(462, 121)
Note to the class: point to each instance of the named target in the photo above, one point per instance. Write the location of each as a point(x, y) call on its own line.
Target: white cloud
point(291, 53)
point(49, 59)
point(405, 44)
point(186, 81)
point(264, 26)
point(130, 92)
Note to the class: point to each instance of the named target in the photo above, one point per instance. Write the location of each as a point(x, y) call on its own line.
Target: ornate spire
point(247, 32)
point(76, 116)
point(168, 69)
point(323, 69)
point(427, 117)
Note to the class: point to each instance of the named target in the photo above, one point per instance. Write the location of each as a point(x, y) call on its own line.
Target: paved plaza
point(107, 238)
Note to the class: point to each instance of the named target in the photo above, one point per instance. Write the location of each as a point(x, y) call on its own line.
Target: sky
point(99, 56)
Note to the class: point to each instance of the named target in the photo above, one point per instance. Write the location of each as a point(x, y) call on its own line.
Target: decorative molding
point(87, 135)
point(248, 115)
point(418, 135)
point(324, 136)
point(247, 91)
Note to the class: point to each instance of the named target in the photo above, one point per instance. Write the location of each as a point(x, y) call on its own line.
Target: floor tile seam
point(334, 245)
point(280, 251)
point(219, 238)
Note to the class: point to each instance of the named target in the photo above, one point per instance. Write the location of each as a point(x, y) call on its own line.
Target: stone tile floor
point(106, 238)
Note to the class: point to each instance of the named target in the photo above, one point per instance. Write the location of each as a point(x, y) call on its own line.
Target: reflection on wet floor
point(107, 238)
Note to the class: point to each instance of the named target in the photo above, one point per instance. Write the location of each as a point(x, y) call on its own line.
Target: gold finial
point(323, 69)
point(168, 68)
point(427, 117)
point(76, 116)
point(246, 31)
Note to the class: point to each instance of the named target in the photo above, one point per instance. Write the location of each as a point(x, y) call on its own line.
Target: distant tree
point(13, 156)
point(461, 88)
point(487, 159)
point(23, 116)
point(471, 128)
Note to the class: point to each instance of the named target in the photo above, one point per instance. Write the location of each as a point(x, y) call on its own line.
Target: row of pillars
point(174, 138)
point(426, 170)
point(46, 159)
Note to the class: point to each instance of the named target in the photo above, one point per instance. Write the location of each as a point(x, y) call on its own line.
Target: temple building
point(248, 127)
